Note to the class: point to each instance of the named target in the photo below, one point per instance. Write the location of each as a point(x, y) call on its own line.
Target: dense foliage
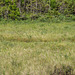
point(24, 9)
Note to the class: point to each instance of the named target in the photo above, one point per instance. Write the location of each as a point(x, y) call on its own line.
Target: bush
point(73, 17)
point(34, 16)
point(64, 70)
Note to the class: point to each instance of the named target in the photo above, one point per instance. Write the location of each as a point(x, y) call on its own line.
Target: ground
point(37, 48)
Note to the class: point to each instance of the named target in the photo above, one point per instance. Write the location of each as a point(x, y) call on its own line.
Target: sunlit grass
point(38, 32)
point(37, 49)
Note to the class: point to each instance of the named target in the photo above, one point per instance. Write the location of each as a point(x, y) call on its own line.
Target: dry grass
point(37, 49)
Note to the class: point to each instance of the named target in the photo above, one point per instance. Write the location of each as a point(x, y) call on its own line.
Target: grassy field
point(37, 48)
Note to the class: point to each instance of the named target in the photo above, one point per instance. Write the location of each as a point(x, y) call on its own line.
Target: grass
point(37, 48)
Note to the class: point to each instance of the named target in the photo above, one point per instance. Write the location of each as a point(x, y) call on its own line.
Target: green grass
point(37, 48)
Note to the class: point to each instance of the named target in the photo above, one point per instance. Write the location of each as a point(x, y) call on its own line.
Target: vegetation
point(37, 48)
point(37, 37)
point(33, 9)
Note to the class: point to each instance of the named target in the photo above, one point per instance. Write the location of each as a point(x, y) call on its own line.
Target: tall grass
point(37, 48)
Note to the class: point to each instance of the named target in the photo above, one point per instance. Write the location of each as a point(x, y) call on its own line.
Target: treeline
point(24, 9)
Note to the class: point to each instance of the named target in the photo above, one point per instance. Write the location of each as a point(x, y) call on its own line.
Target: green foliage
point(18, 9)
point(34, 16)
point(14, 12)
point(73, 17)
point(53, 4)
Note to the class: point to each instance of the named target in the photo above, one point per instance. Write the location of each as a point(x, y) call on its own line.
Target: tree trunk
point(19, 5)
point(36, 7)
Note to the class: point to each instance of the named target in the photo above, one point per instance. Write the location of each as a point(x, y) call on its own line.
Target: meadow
point(37, 48)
